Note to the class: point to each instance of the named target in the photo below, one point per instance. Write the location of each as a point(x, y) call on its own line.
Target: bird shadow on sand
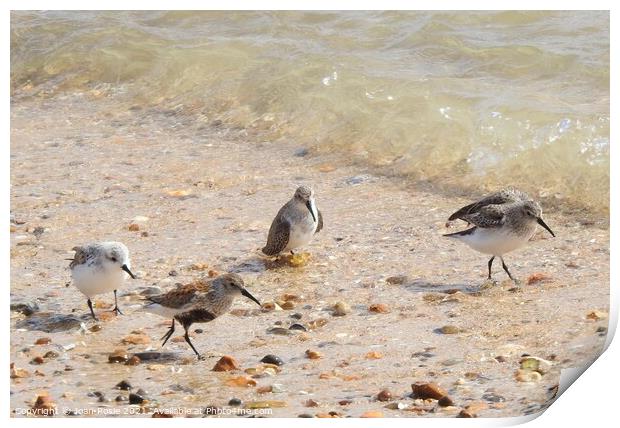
point(425, 286)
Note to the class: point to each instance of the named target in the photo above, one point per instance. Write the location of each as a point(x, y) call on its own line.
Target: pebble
point(44, 406)
point(272, 359)
point(445, 401)
point(597, 315)
point(313, 355)
point(311, 403)
point(234, 402)
point(296, 316)
point(379, 308)
point(225, 364)
point(136, 339)
point(449, 329)
point(297, 327)
point(537, 364)
point(17, 373)
point(95, 328)
point(135, 399)
point(301, 152)
point(384, 395)
point(372, 414)
point(242, 381)
point(267, 404)
point(37, 360)
point(133, 361)
point(118, 356)
point(538, 277)
point(279, 330)
point(27, 308)
point(341, 309)
point(305, 415)
point(51, 354)
point(123, 385)
point(134, 227)
point(43, 341)
point(493, 397)
point(317, 323)
point(288, 305)
point(120, 398)
point(528, 376)
point(396, 280)
point(472, 410)
point(427, 390)
point(374, 355)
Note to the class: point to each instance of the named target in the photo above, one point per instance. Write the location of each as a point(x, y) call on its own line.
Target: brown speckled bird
point(200, 301)
point(295, 224)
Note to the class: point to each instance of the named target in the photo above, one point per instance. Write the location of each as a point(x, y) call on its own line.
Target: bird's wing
point(80, 257)
point(502, 197)
point(489, 216)
point(180, 297)
point(278, 236)
point(319, 226)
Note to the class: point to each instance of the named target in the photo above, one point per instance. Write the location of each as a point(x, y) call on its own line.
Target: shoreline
point(208, 195)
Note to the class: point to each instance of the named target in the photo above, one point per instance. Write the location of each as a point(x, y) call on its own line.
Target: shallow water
point(464, 100)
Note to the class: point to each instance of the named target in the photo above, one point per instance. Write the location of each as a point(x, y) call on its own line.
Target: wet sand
point(83, 169)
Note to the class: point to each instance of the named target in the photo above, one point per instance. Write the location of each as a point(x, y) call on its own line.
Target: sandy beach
point(191, 196)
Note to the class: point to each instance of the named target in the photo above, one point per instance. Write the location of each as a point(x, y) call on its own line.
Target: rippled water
point(463, 100)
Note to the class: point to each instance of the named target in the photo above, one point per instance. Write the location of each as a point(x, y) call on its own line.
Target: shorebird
point(503, 222)
point(200, 301)
point(98, 268)
point(295, 224)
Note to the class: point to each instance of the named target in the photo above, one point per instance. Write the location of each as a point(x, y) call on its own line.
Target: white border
point(590, 401)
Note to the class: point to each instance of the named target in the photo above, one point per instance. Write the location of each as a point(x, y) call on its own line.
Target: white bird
point(98, 268)
point(503, 222)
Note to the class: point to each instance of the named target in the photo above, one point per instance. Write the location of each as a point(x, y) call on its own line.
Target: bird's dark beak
point(310, 209)
point(543, 224)
point(126, 269)
point(247, 294)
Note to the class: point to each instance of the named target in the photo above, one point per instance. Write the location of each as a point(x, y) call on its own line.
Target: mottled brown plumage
point(295, 224)
point(199, 301)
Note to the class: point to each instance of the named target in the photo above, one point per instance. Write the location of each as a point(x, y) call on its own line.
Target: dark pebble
point(301, 152)
point(234, 402)
point(296, 316)
point(298, 327)
point(25, 308)
point(173, 273)
point(199, 331)
point(210, 410)
point(120, 398)
point(142, 392)
point(445, 401)
point(135, 399)
point(601, 329)
point(123, 385)
point(493, 398)
point(51, 354)
point(272, 359)
point(305, 415)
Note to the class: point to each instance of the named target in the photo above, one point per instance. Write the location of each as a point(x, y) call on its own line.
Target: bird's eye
point(113, 259)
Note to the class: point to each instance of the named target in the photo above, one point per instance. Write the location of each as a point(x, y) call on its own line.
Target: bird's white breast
point(494, 241)
point(92, 281)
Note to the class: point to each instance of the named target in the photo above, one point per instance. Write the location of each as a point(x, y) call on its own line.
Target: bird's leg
point(292, 253)
point(507, 271)
point(90, 306)
point(490, 264)
point(168, 334)
point(186, 336)
point(116, 309)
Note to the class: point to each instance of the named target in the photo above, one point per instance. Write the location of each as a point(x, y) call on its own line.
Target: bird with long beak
point(98, 268)
point(295, 224)
point(503, 222)
point(200, 301)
